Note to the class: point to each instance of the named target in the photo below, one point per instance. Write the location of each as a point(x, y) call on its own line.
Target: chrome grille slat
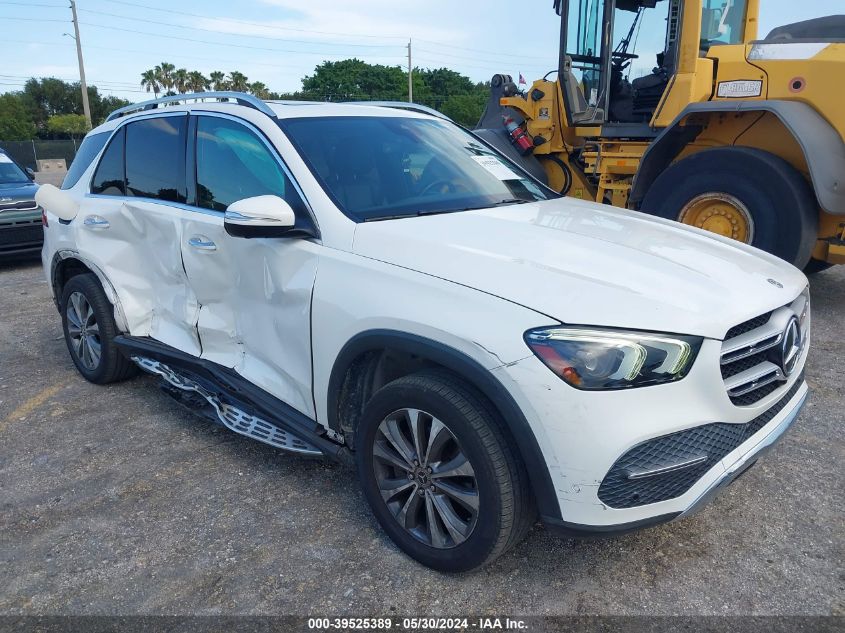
point(749, 360)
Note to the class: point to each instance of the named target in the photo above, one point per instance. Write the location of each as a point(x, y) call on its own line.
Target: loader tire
point(744, 193)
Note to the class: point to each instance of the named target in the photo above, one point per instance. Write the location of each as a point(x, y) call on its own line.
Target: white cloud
point(381, 20)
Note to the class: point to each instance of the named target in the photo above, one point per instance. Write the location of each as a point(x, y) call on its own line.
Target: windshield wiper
point(511, 201)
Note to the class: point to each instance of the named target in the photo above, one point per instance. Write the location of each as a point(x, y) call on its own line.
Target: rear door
point(130, 226)
point(255, 294)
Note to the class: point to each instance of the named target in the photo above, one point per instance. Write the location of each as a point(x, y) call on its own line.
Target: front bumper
point(584, 434)
point(720, 482)
point(24, 235)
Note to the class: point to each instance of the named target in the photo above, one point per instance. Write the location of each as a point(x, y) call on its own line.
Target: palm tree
point(197, 82)
point(180, 80)
point(238, 81)
point(218, 80)
point(150, 81)
point(259, 90)
point(165, 75)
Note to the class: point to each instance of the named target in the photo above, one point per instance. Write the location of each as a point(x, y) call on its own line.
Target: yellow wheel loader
point(727, 132)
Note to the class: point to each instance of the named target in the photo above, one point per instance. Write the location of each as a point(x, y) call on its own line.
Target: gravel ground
point(114, 500)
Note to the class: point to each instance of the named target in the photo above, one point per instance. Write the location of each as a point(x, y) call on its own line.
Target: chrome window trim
point(187, 207)
point(166, 203)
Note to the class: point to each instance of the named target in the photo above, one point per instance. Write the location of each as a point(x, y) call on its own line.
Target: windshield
point(10, 172)
point(722, 21)
point(376, 168)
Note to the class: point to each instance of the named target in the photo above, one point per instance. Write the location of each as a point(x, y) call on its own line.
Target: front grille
point(21, 235)
point(750, 362)
point(711, 441)
point(19, 205)
point(747, 326)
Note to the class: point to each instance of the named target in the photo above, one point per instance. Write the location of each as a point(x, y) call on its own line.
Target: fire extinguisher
point(519, 137)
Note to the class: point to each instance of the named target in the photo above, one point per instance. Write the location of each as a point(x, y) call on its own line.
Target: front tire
point(438, 474)
point(744, 193)
point(89, 329)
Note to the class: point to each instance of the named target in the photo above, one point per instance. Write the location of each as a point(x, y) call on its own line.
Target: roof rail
point(241, 98)
point(402, 105)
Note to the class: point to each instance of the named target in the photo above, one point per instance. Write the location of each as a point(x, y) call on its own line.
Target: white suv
point(379, 285)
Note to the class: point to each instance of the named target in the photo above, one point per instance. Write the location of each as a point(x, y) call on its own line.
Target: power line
point(257, 48)
point(129, 51)
point(246, 22)
point(475, 50)
point(262, 37)
point(4, 17)
point(35, 4)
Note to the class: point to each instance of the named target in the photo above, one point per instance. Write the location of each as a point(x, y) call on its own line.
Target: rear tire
point(89, 329)
point(779, 200)
point(450, 523)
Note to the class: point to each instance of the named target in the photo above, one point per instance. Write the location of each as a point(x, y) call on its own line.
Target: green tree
point(72, 125)
point(353, 79)
point(464, 109)
point(165, 75)
point(218, 80)
point(441, 84)
point(15, 121)
point(259, 90)
point(238, 81)
point(150, 82)
point(197, 82)
point(180, 80)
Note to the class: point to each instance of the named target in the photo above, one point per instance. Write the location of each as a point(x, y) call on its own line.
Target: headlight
point(613, 359)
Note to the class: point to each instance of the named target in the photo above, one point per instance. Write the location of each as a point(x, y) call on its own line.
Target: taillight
point(44, 218)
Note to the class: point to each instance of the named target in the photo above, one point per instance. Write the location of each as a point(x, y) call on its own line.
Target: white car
point(378, 284)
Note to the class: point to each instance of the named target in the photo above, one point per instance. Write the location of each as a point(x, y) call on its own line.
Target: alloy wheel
point(84, 331)
point(425, 478)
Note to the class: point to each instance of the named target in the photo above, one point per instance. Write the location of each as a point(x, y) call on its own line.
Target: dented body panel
point(280, 311)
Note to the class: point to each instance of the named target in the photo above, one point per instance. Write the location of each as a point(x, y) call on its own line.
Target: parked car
point(20, 217)
point(377, 284)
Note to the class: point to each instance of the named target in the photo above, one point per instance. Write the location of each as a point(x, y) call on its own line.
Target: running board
point(240, 405)
point(232, 417)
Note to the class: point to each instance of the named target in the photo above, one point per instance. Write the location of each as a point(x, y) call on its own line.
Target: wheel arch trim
point(108, 288)
point(820, 143)
point(479, 377)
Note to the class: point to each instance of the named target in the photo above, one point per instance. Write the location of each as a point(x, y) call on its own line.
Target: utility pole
point(85, 107)
point(410, 76)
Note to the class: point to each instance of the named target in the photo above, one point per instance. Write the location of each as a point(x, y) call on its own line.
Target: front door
point(254, 294)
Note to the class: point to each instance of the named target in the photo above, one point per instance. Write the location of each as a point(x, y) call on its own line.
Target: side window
point(233, 164)
point(90, 147)
point(109, 177)
point(155, 158)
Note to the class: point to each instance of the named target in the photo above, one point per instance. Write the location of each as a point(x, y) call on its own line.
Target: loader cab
point(618, 57)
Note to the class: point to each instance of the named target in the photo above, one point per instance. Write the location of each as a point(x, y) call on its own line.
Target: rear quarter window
point(91, 146)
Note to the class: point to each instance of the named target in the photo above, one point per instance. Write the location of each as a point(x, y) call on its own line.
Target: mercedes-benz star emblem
point(790, 348)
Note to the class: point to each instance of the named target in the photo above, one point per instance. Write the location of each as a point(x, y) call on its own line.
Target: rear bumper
point(741, 464)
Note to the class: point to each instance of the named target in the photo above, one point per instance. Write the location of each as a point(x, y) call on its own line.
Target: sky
point(280, 41)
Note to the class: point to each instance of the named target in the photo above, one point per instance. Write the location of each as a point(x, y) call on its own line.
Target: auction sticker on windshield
point(496, 167)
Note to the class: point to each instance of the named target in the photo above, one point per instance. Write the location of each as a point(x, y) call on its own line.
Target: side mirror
point(59, 203)
point(30, 173)
point(259, 216)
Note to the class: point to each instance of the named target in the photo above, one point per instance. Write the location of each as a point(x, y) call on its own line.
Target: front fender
point(821, 144)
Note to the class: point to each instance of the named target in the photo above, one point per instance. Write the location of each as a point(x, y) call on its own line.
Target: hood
point(587, 264)
point(17, 191)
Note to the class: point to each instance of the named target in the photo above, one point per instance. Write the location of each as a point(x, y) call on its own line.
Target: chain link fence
point(26, 153)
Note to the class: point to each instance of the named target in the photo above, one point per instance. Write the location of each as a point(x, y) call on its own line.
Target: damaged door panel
point(254, 294)
point(134, 240)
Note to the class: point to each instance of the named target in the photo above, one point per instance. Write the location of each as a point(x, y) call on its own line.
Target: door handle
point(95, 222)
point(202, 243)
